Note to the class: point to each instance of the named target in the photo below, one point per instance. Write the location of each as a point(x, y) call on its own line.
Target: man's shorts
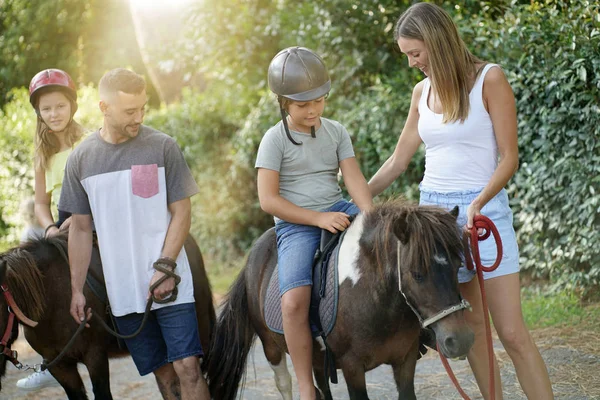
point(296, 247)
point(498, 210)
point(170, 334)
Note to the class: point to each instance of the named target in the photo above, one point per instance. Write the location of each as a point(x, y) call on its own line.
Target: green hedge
point(549, 52)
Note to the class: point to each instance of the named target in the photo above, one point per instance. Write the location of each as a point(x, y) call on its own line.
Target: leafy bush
point(17, 124)
point(550, 52)
point(226, 216)
point(548, 49)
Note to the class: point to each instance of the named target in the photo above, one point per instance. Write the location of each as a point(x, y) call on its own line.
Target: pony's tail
point(232, 341)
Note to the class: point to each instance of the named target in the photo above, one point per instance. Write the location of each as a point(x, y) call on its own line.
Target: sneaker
point(37, 380)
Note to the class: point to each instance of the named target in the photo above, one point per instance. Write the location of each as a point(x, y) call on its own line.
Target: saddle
point(323, 308)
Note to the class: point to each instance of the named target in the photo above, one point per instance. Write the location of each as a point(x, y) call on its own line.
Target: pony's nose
point(458, 345)
point(451, 344)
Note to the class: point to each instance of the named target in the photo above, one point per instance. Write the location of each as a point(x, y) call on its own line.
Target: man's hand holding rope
point(163, 286)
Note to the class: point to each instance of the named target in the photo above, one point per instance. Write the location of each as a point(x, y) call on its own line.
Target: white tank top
point(458, 156)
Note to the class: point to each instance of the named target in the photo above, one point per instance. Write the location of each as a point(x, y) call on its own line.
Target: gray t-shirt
point(307, 173)
point(127, 187)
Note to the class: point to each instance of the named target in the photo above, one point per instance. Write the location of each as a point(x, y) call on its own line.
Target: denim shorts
point(296, 247)
point(170, 334)
point(498, 210)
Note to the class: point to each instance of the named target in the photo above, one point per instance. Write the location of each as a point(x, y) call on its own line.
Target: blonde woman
point(464, 112)
point(53, 95)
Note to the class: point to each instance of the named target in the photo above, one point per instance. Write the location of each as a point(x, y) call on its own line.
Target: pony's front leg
point(96, 361)
point(355, 380)
point(67, 375)
point(404, 375)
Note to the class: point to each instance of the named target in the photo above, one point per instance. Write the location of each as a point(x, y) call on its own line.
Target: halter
point(13, 311)
point(464, 304)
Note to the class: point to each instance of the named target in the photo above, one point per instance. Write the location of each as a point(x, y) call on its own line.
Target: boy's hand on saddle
point(163, 290)
point(51, 231)
point(65, 225)
point(78, 309)
point(334, 221)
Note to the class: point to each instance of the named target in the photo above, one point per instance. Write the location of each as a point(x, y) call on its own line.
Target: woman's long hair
point(451, 64)
point(47, 144)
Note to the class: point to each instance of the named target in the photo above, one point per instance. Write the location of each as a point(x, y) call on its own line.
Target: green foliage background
point(548, 49)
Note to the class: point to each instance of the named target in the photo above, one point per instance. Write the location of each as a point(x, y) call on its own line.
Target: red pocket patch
point(144, 180)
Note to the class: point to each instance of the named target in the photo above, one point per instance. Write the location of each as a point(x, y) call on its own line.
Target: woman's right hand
point(334, 222)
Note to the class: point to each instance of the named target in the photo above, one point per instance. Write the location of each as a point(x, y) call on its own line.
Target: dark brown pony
point(38, 276)
point(376, 323)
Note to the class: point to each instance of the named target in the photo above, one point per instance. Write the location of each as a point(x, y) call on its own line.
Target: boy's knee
point(294, 306)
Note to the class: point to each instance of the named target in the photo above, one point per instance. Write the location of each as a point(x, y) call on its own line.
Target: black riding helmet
point(298, 74)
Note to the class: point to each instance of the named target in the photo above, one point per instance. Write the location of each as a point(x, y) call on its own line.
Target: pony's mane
point(24, 278)
point(428, 227)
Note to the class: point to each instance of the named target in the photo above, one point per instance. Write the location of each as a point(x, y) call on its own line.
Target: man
point(134, 182)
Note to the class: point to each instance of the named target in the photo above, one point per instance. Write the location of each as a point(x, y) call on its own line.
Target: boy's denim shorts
point(296, 247)
point(170, 334)
point(498, 210)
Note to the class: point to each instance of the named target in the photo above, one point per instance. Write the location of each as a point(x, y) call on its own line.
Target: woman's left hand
point(472, 211)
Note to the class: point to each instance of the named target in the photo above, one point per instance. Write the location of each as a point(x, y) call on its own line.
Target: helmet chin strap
point(287, 129)
point(285, 124)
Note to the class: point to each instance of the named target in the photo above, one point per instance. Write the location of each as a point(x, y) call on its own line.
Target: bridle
point(13, 311)
point(464, 304)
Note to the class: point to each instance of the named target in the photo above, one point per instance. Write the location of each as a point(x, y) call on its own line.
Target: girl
point(298, 162)
point(53, 95)
point(464, 112)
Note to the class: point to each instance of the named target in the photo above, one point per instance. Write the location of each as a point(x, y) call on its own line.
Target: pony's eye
point(418, 277)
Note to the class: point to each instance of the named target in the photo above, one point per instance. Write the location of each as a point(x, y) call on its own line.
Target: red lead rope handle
point(483, 222)
point(480, 222)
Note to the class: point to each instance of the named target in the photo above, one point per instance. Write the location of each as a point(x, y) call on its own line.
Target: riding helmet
point(49, 79)
point(298, 74)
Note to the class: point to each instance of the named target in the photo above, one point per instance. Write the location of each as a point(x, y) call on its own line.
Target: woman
point(464, 112)
point(53, 95)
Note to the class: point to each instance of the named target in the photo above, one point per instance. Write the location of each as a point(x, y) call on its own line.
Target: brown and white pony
point(398, 268)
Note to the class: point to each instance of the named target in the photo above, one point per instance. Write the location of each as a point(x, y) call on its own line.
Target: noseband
point(464, 304)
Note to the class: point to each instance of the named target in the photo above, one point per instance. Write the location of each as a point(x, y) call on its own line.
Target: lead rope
point(479, 222)
point(159, 265)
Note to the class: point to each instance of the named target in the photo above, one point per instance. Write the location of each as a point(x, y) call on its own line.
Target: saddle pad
point(327, 308)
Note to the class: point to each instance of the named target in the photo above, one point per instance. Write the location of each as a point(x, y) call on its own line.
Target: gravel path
point(574, 372)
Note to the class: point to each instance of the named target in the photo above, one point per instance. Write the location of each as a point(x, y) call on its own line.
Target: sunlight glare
point(159, 4)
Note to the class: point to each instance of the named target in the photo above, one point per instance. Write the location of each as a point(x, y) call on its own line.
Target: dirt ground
point(572, 356)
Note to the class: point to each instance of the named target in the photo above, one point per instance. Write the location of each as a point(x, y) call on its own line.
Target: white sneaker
point(37, 380)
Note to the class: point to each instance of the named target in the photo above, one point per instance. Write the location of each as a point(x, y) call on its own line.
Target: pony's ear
point(454, 212)
point(2, 270)
point(401, 229)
